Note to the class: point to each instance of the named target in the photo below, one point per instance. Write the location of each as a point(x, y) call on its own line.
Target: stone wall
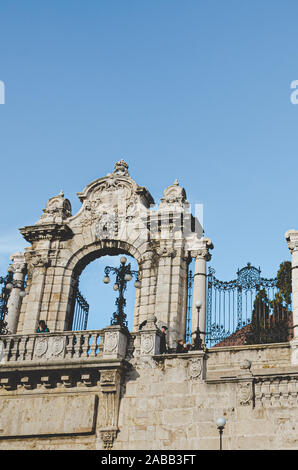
point(167, 402)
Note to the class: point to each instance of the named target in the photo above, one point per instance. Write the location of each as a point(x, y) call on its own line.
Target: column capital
point(291, 237)
point(18, 262)
point(202, 251)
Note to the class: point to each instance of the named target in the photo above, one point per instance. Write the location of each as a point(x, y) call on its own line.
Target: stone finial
point(121, 168)
point(57, 210)
point(174, 194)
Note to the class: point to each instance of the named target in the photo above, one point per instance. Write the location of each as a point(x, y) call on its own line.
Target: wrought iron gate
point(80, 313)
point(245, 310)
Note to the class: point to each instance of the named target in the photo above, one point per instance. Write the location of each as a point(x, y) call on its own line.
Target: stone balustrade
point(108, 343)
point(66, 345)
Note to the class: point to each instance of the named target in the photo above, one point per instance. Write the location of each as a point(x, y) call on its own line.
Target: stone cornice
point(49, 231)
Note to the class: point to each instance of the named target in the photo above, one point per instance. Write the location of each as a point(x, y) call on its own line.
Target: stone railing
point(88, 345)
point(50, 346)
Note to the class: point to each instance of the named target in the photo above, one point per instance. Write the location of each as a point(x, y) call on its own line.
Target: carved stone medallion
point(245, 393)
point(111, 341)
point(147, 344)
point(41, 346)
point(57, 345)
point(195, 368)
point(106, 226)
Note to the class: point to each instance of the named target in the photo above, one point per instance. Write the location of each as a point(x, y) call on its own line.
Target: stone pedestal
point(150, 338)
point(115, 342)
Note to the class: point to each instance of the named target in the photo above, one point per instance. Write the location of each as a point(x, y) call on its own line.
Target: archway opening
point(101, 296)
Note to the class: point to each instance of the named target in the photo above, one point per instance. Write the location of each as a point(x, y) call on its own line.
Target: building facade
point(111, 388)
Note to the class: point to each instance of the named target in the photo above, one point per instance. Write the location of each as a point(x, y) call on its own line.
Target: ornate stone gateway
point(111, 388)
point(117, 216)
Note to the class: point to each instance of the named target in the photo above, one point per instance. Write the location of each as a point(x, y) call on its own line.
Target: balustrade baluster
point(22, 348)
point(68, 346)
point(85, 344)
point(93, 347)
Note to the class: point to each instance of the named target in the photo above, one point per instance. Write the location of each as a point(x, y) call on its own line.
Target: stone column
point(38, 264)
point(201, 256)
point(15, 300)
point(292, 240)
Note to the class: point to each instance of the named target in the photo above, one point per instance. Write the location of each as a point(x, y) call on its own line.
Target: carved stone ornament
point(108, 377)
point(167, 252)
point(147, 344)
point(40, 347)
point(108, 438)
point(46, 348)
point(245, 393)
point(174, 194)
point(57, 345)
point(121, 168)
point(57, 210)
point(111, 341)
point(106, 227)
point(195, 368)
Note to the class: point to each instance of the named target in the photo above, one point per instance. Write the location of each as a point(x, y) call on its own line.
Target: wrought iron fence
point(81, 311)
point(246, 310)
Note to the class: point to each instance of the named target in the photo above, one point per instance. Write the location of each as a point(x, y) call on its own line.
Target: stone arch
point(117, 216)
point(80, 260)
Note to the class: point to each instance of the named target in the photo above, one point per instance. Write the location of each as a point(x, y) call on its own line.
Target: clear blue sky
point(194, 90)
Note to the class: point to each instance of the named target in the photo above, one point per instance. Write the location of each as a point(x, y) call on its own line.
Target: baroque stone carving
point(174, 194)
point(57, 210)
point(147, 344)
point(195, 368)
point(41, 347)
point(48, 347)
point(106, 226)
point(245, 393)
point(108, 438)
point(111, 341)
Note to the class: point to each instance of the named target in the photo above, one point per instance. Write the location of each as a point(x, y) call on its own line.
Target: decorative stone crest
point(147, 344)
point(245, 393)
point(58, 344)
point(111, 341)
point(195, 368)
point(106, 227)
point(40, 347)
point(46, 348)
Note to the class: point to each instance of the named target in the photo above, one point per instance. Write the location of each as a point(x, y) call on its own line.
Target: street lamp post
point(220, 422)
point(198, 343)
point(124, 274)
